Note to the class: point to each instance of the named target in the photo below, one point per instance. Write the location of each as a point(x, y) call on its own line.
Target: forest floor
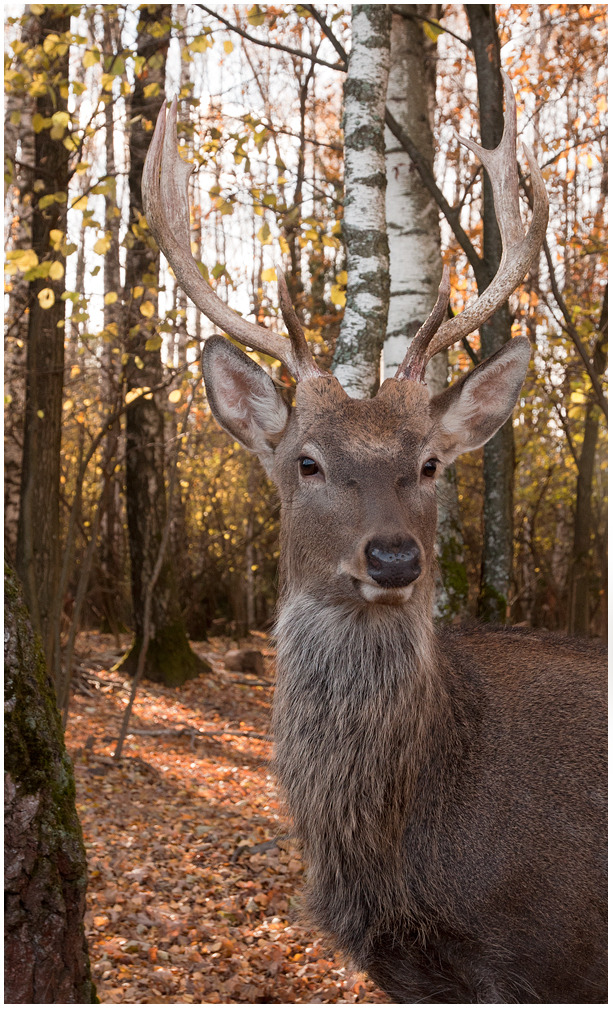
point(188, 901)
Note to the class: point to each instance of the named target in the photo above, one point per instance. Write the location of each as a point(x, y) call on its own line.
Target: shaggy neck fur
point(360, 713)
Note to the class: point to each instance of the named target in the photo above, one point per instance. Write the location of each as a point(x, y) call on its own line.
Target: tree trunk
point(18, 147)
point(581, 571)
point(498, 453)
point(45, 954)
point(38, 537)
point(110, 566)
point(416, 262)
point(358, 349)
point(169, 657)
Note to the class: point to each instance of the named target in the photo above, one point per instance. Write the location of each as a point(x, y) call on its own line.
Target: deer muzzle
point(393, 563)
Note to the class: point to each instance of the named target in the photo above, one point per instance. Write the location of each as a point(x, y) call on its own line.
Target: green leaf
point(154, 343)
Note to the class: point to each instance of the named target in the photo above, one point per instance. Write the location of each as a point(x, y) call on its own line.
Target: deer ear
point(243, 398)
point(471, 411)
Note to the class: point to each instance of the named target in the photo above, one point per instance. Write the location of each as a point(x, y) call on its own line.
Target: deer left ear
point(243, 398)
point(469, 412)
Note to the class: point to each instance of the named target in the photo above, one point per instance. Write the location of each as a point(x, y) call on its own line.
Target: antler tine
point(166, 205)
point(294, 327)
point(414, 364)
point(519, 248)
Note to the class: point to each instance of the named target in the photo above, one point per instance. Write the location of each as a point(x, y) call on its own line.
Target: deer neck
point(360, 706)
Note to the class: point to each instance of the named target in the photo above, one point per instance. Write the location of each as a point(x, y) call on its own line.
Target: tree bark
point(38, 536)
point(169, 657)
point(581, 571)
point(357, 354)
point(18, 147)
point(45, 959)
point(416, 262)
point(498, 453)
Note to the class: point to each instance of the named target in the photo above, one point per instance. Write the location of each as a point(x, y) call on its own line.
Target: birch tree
point(415, 257)
point(358, 350)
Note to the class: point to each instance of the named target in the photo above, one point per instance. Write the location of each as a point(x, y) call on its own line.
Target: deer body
point(451, 805)
point(448, 788)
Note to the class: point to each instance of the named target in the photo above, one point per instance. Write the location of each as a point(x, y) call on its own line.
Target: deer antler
point(519, 248)
point(166, 205)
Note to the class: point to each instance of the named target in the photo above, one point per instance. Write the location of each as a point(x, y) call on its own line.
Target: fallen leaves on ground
point(193, 883)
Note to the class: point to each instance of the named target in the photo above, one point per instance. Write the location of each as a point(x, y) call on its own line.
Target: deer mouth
point(372, 593)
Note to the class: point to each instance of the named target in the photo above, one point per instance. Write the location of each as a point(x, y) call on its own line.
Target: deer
point(447, 785)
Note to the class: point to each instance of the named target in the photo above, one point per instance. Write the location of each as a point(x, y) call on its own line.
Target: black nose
point(393, 563)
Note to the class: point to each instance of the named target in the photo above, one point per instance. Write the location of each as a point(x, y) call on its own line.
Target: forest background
point(121, 492)
point(131, 518)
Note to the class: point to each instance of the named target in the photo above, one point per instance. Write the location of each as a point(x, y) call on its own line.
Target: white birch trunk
point(416, 263)
point(358, 349)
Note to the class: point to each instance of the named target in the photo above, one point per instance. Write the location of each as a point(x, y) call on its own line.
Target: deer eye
point(429, 468)
point(308, 466)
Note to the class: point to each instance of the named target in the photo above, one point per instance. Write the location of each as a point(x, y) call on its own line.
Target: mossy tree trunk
point(45, 954)
point(169, 657)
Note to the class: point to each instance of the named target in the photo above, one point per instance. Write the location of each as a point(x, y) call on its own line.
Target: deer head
point(356, 477)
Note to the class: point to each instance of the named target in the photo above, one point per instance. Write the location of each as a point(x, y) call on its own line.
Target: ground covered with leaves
point(193, 881)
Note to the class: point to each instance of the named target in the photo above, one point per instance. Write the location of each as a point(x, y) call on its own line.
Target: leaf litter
point(194, 878)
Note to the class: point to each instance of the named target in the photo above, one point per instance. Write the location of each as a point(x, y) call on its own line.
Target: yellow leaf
point(342, 277)
point(283, 245)
point(174, 396)
point(147, 309)
point(57, 237)
point(338, 296)
point(80, 204)
point(24, 259)
point(60, 119)
point(91, 57)
point(110, 298)
point(40, 413)
point(135, 393)
point(151, 89)
point(46, 298)
point(269, 275)
point(264, 235)
point(228, 46)
point(103, 245)
point(138, 361)
point(68, 405)
point(56, 270)
point(137, 291)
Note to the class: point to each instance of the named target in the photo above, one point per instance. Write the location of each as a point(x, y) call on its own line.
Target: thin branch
point(570, 328)
point(267, 43)
point(142, 656)
point(325, 27)
point(402, 10)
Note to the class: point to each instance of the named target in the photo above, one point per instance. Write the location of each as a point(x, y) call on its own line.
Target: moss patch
point(170, 660)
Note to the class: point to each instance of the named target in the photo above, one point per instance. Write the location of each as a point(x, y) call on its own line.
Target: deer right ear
point(474, 408)
point(243, 398)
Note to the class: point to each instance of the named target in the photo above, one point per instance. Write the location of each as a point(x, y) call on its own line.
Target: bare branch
point(325, 27)
point(267, 43)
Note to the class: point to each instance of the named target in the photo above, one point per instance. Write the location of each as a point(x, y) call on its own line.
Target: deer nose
point(393, 563)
